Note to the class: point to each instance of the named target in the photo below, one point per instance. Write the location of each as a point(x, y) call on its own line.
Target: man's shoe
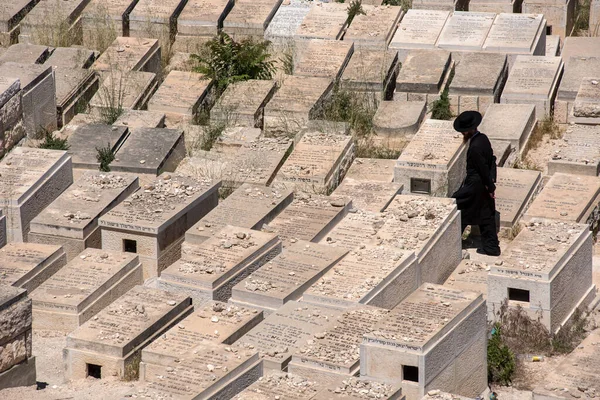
point(489, 253)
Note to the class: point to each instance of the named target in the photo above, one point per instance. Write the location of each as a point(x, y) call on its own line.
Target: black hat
point(467, 121)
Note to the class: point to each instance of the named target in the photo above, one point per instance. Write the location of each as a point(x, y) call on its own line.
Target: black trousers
point(489, 235)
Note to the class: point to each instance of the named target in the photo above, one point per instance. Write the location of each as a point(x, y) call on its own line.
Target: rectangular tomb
point(287, 276)
point(323, 21)
point(517, 34)
point(86, 139)
point(577, 151)
point(12, 13)
point(130, 54)
point(322, 58)
point(243, 103)
point(577, 68)
point(250, 18)
point(31, 179)
point(11, 113)
point(281, 385)
point(534, 80)
point(466, 31)
point(285, 22)
point(335, 351)
point(28, 265)
point(434, 339)
point(515, 190)
point(134, 119)
point(71, 221)
point(470, 276)
point(356, 388)
point(51, 21)
point(368, 196)
point(372, 71)
point(286, 330)
point(203, 17)
point(585, 107)
point(430, 165)
point(372, 170)
point(152, 222)
point(84, 287)
point(356, 229)
point(100, 17)
point(25, 53)
point(546, 270)
point(75, 87)
point(211, 269)
point(418, 29)
point(156, 19)
point(111, 343)
point(424, 75)
point(509, 122)
point(361, 30)
point(124, 89)
point(250, 206)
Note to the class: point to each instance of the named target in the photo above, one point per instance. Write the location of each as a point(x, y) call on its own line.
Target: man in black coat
point(476, 197)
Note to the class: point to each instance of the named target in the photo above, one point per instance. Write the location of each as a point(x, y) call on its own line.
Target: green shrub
point(354, 9)
point(51, 142)
point(105, 156)
point(501, 360)
point(440, 109)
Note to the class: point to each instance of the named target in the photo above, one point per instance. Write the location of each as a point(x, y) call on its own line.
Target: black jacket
point(473, 198)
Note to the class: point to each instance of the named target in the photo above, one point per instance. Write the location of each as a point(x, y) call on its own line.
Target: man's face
point(467, 135)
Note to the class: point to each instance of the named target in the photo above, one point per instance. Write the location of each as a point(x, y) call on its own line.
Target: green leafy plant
point(227, 61)
point(501, 360)
point(105, 156)
point(355, 8)
point(440, 108)
point(51, 142)
point(357, 109)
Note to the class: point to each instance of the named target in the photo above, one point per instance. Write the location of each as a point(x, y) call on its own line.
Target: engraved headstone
point(466, 31)
point(374, 27)
point(509, 122)
point(419, 29)
point(250, 18)
point(323, 58)
point(368, 196)
point(577, 152)
point(518, 34)
point(130, 54)
point(323, 21)
point(372, 170)
point(515, 189)
point(470, 276)
point(243, 103)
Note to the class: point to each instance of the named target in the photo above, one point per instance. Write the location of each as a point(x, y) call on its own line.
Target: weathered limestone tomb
point(12, 14)
point(515, 190)
point(199, 21)
point(577, 152)
point(152, 221)
point(86, 138)
point(243, 103)
point(424, 75)
point(512, 123)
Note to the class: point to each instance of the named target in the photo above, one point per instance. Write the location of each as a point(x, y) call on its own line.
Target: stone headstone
point(25, 54)
point(134, 119)
point(466, 31)
point(17, 367)
point(71, 57)
point(27, 265)
point(71, 221)
point(577, 152)
point(396, 122)
point(212, 268)
point(518, 34)
point(286, 330)
point(287, 276)
point(323, 58)
point(515, 189)
point(553, 45)
point(546, 270)
point(533, 80)
point(203, 17)
point(130, 54)
point(102, 16)
point(372, 170)
point(74, 89)
point(86, 139)
point(432, 166)
point(83, 287)
point(374, 29)
point(112, 341)
point(49, 20)
point(419, 29)
point(371, 71)
point(357, 388)
point(250, 18)
point(585, 107)
point(368, 196)
point(559, 13)
point(152, 222)
point(125, 90)
point(308, 217)
point(234, 138)
point(12, 14)
point(30, 179)
point(356, 229)
point(433, 319)
point(243, 103)
point(577, 68)
point(155, 19)
point(282, 385)
point(323, 21)
point(470, 276)
point(424, 71)
point(509, 122)
point(286, 21)
point(250, 206)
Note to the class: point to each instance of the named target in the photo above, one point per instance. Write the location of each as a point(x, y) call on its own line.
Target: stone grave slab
point(372, 71)
point(282, 385)
point(150, 151)
point(424, 75)
point(375, 28)
point(75, 87)
point(396, 122)
point(585, 108)
point(576, 372)
point(478, 81)
point(317, 163)
point(408, 344)
point(309, 217)
point(25, 54)
point(11, 15)
point(71, 57)
point(130, 90)
point(496, 6)
point(336, 350)
point(112, 341)
point(470, 276)
point(156, 19)
point(243, 103)
point(215, 322)
point(181, 96)
point(432, 166)
point(71, 221)
point(211, 269)
point(368, 196)
point(515, 189)
point(39, 96)
point(152, 221)
point(569, 198)
point(27, 265)
point(466, 31)
point(11, 112)
point(509, 122)
point(82, 288)
point(553, 45)
point(547, 270)
point(285, 22)
point(234, 138)
point(323, 21)
point(30, 179)
point(87, 138)
point(374, 275)
point(419, 29)
point(298, 99)
point(533, 80)
point(286, 330)
point(49, 19)
point(287, 276)
point(203, 17)
point(249, 206)
point(579, 46)
point(130, 54)
point(134, 119)
point(577, 152)
point(428, 226)
point(517, 34)
point(102, 16)
point(372, 170)
point(359, 388)
point(250, 18)
point(446, 5)
point(356, 229)
point(323, 58)
point(560, 14)
point(209, 371)
point(577, 69)
point(18, 365)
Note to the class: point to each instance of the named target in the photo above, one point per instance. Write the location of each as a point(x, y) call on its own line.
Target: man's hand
point(493, 195)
